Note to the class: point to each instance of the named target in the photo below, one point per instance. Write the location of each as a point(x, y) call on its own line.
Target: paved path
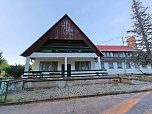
point(136, 103)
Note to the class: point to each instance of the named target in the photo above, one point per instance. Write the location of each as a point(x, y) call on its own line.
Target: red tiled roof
point(114, 48)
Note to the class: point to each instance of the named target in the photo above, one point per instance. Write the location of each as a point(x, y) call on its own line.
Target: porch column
point(99, 62)
point(65, 65)
point(27, 64)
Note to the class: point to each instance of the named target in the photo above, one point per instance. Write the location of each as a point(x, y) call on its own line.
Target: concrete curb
point(73, 97)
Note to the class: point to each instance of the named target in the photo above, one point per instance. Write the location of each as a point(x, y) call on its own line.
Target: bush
point(3, 66)
point(15, 71)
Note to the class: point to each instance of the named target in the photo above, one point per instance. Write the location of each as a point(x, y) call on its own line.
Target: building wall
point(122, 56)
point(111, 56)
point(61, 61)
point(124, 70)
point(94, 65)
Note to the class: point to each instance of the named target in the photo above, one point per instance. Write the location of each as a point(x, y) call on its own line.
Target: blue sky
point(23, 22)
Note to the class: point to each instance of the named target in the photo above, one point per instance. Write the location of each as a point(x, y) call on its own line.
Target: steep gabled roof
point(64, 29)
point(114, 48)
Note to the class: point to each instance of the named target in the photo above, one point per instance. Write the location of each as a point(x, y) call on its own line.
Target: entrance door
point(63, 70)
point(68, 70)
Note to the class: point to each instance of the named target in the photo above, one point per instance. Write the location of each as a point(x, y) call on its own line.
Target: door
point(68, 70)
point(63, 70)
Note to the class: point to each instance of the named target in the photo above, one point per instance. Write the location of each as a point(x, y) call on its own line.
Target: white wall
point(61, 61)
point(94, 65)
point(125, 70)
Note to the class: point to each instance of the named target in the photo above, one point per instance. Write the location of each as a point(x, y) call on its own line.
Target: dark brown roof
point(64, 29)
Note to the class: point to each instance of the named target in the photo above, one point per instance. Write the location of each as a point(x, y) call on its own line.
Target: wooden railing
point(58, 74)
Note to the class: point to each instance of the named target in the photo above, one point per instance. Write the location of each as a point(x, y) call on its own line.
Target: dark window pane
point(119, 64)
point(102, 65)
point(82, 65)
point(128, 65)
point(111, 65)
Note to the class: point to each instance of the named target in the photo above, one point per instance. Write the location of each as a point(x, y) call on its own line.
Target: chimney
point(131, 42)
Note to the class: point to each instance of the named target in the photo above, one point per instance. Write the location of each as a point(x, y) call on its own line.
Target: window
point(82, 65)
point(128, 65)
point(48, 66)
point(121, 54)
point(116, 54)
point(111, 65)
point(102, 65)
point(111, 54)
point(119, 65)
point(128, 54)
point(144, 66)
point(104, 53)
point(108, 54)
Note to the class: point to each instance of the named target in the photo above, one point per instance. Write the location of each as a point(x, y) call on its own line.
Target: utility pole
point(122, 41)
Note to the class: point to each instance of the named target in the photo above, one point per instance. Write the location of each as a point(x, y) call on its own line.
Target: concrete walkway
point(135, 103)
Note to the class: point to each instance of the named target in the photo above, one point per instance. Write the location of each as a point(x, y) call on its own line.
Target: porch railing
point(58, 74)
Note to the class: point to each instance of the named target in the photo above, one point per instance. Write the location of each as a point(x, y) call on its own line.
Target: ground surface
point(135, 103)
point(80, 90)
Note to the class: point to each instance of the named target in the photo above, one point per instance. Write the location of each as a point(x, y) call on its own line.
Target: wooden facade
point(64, 36)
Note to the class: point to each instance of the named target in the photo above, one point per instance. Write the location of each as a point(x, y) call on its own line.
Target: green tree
point(3, 65)
point(15, 71)
point(142, 30)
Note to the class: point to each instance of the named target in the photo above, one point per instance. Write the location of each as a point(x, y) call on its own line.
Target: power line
point(111, 39)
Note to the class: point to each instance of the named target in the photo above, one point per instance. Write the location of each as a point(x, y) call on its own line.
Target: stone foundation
point(15, 85)
point(126, 81)
point(50, 83)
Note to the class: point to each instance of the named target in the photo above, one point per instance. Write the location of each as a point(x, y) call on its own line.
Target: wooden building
point(64, 47)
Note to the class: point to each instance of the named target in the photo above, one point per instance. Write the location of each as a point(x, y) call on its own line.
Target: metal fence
point(3, 91)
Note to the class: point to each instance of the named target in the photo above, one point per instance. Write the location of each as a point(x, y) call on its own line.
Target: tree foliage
point(3, 63)
point(141, 58)
point(142, 30)
point(10, 70)
point(15, 71)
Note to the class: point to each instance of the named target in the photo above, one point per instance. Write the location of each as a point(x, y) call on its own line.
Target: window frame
point(102, 65)
point(112, 65)
point(119, 66)
point(45, 65)
point(128, 65)
point(80, 65)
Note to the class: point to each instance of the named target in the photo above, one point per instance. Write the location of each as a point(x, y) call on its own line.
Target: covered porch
point(63, 64)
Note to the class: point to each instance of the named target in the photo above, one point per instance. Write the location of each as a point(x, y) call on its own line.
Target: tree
point(1, 57)
point(142, 30)
point(3, 64)
point(15, 71)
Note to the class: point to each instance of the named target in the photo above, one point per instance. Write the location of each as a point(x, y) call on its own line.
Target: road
point(135, 103)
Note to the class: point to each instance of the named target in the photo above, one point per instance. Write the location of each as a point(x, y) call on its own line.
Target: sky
point(22, 22)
